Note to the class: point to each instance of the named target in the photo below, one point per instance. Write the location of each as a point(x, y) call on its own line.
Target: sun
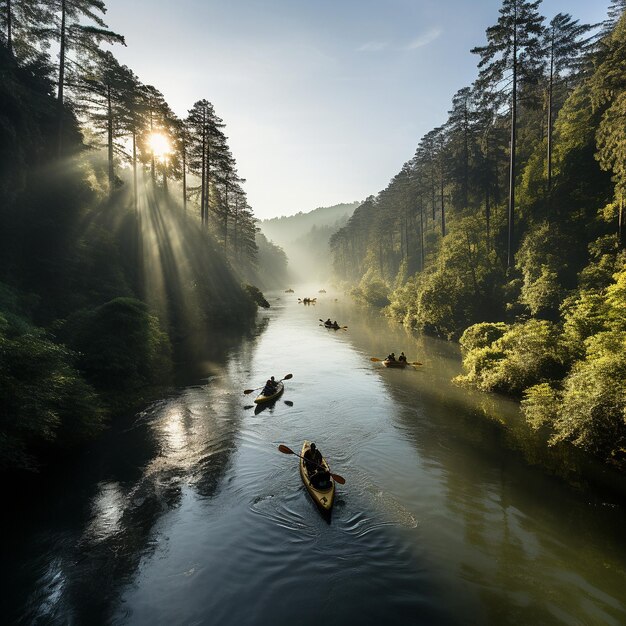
point(159, 145)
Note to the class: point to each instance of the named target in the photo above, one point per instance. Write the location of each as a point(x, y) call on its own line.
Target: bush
point(590, 411)
point(121, 346)
point(525, 355)
point(43, 399)
point(371, 291)
point(481, 335)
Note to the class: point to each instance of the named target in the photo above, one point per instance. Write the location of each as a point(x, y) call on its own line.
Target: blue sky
point(323, 100)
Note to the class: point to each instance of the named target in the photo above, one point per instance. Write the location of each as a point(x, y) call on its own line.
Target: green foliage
point(257, 296)
point(43, 399)
point(525, 355)
point(458, 291)
point(481, 335)
point(121, 345)
point(371, 291)
point(590, 411)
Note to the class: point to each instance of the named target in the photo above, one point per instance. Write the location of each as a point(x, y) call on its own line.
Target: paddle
point(338, 479)
point(287, 377)
point(408, 362)
point(332, 325)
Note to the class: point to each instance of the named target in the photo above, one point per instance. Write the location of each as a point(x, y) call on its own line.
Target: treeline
point(124, 230)
point(510, 215)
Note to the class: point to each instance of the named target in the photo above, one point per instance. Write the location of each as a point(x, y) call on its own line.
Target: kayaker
point(391, 357)
point(402, 357)
point(328, 322)
point(312, 459)
point(321, 479)
point(335, 325)
point(270, 387)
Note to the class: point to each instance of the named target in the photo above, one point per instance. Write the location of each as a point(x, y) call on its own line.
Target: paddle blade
point(375, 359)
point(285, 450)
point(287, 376)
point(247, 391)
point(339, 479)
point(416, 363)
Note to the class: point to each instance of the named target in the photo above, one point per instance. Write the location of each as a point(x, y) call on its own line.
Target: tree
point(565, 46)
point(206, 142)
point(608, 92)
point(72, 34)
point(20, 20)
point(512, 54)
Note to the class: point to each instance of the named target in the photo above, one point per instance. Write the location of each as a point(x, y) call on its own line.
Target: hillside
point(305, 238)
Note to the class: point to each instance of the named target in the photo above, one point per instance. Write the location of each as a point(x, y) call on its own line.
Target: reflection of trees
point(103, 517)
point(529, 547)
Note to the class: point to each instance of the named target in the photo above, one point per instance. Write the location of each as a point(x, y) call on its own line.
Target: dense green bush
point(121, 345)
point(43, 398)
point(526, 354)
point(481, 335)
point(371, 291)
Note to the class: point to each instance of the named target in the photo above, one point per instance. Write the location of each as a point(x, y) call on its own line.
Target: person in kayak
point(335, 325)
point(391, 357)
point(318, 475)
point(270, 387)
point(328, 322)
point(312, 459)
point(402, 358)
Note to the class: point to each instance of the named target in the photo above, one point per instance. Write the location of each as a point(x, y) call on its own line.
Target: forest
point(125, 231)
point(505, 230)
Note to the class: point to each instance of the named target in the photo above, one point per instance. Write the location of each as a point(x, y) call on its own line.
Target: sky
point(323, 100)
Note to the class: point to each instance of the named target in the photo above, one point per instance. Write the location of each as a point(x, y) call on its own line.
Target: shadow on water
point(78, 535)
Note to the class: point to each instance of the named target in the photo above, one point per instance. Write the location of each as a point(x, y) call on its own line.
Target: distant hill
point(304, 237)
point(281, 230)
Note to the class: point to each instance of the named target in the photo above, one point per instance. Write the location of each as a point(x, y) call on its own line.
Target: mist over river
point(453, 512)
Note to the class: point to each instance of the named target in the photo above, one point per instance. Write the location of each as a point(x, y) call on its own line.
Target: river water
point(452, 511)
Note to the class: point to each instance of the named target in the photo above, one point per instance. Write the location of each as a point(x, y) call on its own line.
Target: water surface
point(452, 512)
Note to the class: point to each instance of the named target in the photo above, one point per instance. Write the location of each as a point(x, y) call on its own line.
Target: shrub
point(43, 399)
point(121, 345)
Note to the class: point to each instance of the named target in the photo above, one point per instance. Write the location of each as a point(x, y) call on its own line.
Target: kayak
point(279, 389)
point(332, 326)
point(400, 364)
point(324, 498)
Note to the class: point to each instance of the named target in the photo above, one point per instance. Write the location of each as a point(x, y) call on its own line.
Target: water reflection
point(191, 515)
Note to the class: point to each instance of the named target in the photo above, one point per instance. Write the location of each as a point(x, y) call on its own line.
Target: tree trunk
point(62, 48)
point(184, 155)
point(110, 139)
point(422, 252)
point(443, 208)
point(203, 177)
point(225, 213)
point(509, 258)
point(488, 217)
point(550, 88)
point(135, 168)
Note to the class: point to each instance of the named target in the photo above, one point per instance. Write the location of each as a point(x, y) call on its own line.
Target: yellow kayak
point(387, 363)
point(324, 498)
point(279, 389)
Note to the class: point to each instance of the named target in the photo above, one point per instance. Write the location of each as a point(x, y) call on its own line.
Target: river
point(453, 512)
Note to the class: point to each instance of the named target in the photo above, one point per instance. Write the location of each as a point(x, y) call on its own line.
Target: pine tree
point(21, 21)
point(73, 34)
point(512, 55)
point(565, 46)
